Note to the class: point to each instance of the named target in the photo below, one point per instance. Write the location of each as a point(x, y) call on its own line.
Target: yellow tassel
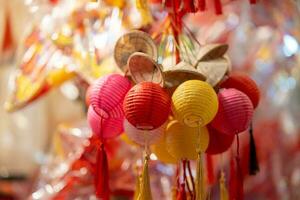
point(143, 8)
point(174, 193)
point(223, 190)
point(145, 189)
point(137, 187)
point(200, 181)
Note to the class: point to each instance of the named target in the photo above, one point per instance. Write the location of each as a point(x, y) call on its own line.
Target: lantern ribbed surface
point(107, 93)
point(245, 84)
point(161, 152)
point(104, 128)
point(195, 103)
point(218, 142)
point(147, 106)
point(143, 137)
point(235, 112)
point(185, 142)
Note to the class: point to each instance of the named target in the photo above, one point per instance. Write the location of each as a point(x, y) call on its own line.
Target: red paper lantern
point(235, 112)
point(107, 95)
point(147, 106)
point(243, 83)
point(218, 142)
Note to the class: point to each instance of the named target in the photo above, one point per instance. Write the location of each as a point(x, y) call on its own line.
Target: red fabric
point(102, 174)
point(243, 83)
point(218, 7)
point(218, 142)
point(147, 106)
point(234, 113)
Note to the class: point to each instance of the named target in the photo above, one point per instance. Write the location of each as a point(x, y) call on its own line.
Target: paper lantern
point(107, 95)
point(195, 103)
point(147, 106)
point(161, 152)
point(143, 137)
point(184, 142)
point(102, 127)
point(243, 83)
point(218, 142)
point(235, 112)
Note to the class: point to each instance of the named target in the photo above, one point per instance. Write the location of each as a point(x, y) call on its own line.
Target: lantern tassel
point(239, 174)
point(182, 194)
point(223, 189)
point(201, 5)
point(232, 179)
point(200, 182)
point(102, 174)
point(137, 187)
point(252, 1)
point(218, 7)
point(253, 161)
point(210, 169)
point(145, 189)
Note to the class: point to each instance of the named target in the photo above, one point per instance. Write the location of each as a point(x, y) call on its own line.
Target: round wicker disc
point(181, 73)
point(214, 70)
point(134, 41)
point(143, 68)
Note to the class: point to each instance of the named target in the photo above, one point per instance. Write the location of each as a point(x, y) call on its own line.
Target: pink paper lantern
point(104, 128)
point(234, 113)
point(107, 93)
point(142, 137)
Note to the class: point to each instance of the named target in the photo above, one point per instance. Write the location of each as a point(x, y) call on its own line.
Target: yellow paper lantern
point(160, 150)
point(195, 103)
point(184, 142)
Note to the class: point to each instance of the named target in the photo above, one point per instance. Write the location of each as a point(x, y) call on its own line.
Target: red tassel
point(239, 181)
point(218, 7)
point(201, 5)
point(232, 179)
point(252, 1)
point(8, 42)
point(102, 174)
point(210, 169)
point(189, 6)
point(182, 194)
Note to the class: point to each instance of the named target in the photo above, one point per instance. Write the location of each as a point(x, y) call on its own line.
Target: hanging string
point(253, 161)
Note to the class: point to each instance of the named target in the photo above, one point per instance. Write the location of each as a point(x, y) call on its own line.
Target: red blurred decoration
point(218, 7)
point(218, 142)
point(87, 96)
point(8, 42)
point(147, 106)
point(235, 112)
point(53, 1)
point(243, 83)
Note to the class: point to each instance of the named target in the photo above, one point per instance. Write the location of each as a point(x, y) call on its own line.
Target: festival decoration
point(106, 119)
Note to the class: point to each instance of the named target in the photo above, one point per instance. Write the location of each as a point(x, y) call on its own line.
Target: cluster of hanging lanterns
point(179, 125)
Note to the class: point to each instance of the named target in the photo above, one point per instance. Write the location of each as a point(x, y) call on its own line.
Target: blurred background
point(42, 96)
